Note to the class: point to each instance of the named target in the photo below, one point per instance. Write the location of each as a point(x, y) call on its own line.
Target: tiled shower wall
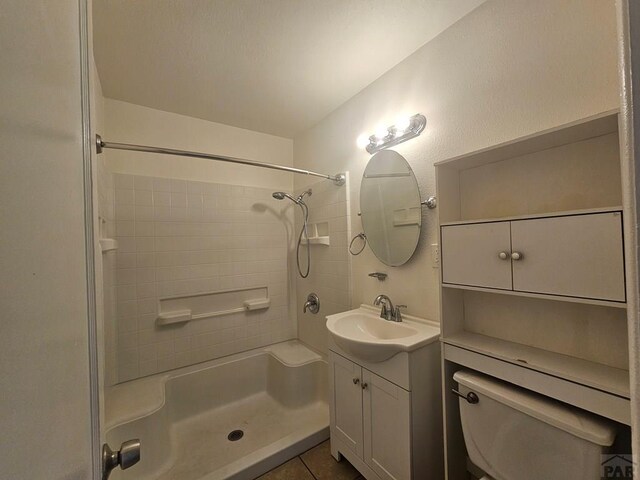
point(330, 273)
point(180, 238)
point(107, 229)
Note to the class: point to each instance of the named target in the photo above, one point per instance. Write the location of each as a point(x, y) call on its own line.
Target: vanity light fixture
point(402, 131)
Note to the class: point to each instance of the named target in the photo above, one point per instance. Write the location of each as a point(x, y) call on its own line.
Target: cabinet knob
point(364, 386)
point(503, 255)
point(516, 256)
point(356, 381)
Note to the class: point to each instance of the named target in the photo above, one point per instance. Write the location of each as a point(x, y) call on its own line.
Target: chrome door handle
point(470, 397)
point(127, 456)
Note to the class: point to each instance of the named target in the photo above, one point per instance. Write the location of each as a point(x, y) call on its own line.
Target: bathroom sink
point(363, 334)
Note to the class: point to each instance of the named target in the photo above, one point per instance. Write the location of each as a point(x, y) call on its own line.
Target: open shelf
point(323, 240)
point(595, 375)
point(580, 130)
point(542, 296)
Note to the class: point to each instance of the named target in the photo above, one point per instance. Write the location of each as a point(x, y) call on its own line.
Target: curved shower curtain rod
point(338, 179)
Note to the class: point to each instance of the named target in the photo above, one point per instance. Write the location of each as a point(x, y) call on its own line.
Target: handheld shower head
point(303, 231)
point(283, 195)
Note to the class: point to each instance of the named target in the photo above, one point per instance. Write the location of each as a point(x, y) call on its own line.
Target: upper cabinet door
point(477, 255)
point(578, 256)
point(346, 401)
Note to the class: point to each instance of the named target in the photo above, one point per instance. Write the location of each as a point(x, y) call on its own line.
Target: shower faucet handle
point(312, 304)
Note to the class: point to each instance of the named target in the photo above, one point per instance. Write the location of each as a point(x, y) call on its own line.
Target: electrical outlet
point(435, 255)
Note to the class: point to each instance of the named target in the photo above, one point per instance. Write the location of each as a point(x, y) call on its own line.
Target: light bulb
point(381, 133)
point(402, 124)
point(362, 141)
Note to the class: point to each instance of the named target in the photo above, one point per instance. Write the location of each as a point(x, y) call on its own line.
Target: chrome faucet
point(388, 311)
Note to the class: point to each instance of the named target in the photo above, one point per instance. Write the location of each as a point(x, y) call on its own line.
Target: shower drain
point(235, 435)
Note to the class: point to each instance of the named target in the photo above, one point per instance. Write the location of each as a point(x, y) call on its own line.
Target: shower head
point(283, 195)
point(298, 201)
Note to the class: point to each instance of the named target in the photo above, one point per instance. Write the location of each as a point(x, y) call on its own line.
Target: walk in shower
point(202, 359)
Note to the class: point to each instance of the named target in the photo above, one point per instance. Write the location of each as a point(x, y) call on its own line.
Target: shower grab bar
point(339, 179)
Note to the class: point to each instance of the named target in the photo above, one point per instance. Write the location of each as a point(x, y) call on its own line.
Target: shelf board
point(543, 296)
point(597, 125)
point(321, 240)
point(584, 211)
point(595, 375)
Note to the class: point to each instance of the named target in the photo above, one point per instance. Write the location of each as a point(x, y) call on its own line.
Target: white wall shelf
point(595, 375)
point(108, 244)
point(318, 234)
point(602, 403)
point(324, 240)
point(543, 296)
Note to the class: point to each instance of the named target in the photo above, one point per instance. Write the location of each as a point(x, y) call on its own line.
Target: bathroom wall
point(128, 123)
point(105, 270)
point(508, 69)
point(184, 239)
point(104, 227)
point(44, 406)
point(330, 272)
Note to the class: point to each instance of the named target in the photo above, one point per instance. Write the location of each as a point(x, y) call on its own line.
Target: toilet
point(515, 434)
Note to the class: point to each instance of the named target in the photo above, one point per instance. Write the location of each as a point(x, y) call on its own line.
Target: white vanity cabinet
point(572, 255)
point(389, 428)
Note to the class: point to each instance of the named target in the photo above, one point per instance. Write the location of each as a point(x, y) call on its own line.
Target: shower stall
point(203, 362)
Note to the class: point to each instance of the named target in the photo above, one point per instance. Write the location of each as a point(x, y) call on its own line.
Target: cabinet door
point(387, 427)
point(346, 402)
point(471, 255)
point(578, 256)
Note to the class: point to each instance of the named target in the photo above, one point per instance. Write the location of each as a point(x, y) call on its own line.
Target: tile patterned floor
point(314, 464)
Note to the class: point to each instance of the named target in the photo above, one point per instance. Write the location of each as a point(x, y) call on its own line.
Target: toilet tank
point(515, 434)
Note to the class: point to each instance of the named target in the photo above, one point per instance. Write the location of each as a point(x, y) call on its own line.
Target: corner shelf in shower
point(317, 241)
point(108, 244)
point(318, 234)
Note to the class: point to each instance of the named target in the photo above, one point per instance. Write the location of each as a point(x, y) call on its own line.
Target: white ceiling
point(274, 66)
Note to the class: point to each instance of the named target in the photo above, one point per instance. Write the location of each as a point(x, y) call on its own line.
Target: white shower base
point(276, 395)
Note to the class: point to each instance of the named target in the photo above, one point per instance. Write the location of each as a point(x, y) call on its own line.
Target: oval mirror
point(390, 207)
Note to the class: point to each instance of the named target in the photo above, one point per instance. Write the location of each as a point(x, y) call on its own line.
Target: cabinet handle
point(356, 381)
point(503, 255)
point(517, 256)
point(364, 386)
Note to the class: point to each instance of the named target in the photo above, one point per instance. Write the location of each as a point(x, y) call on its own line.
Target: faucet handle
point(397, 313)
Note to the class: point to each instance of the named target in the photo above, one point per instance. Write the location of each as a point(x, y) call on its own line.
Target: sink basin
point(365, 335)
